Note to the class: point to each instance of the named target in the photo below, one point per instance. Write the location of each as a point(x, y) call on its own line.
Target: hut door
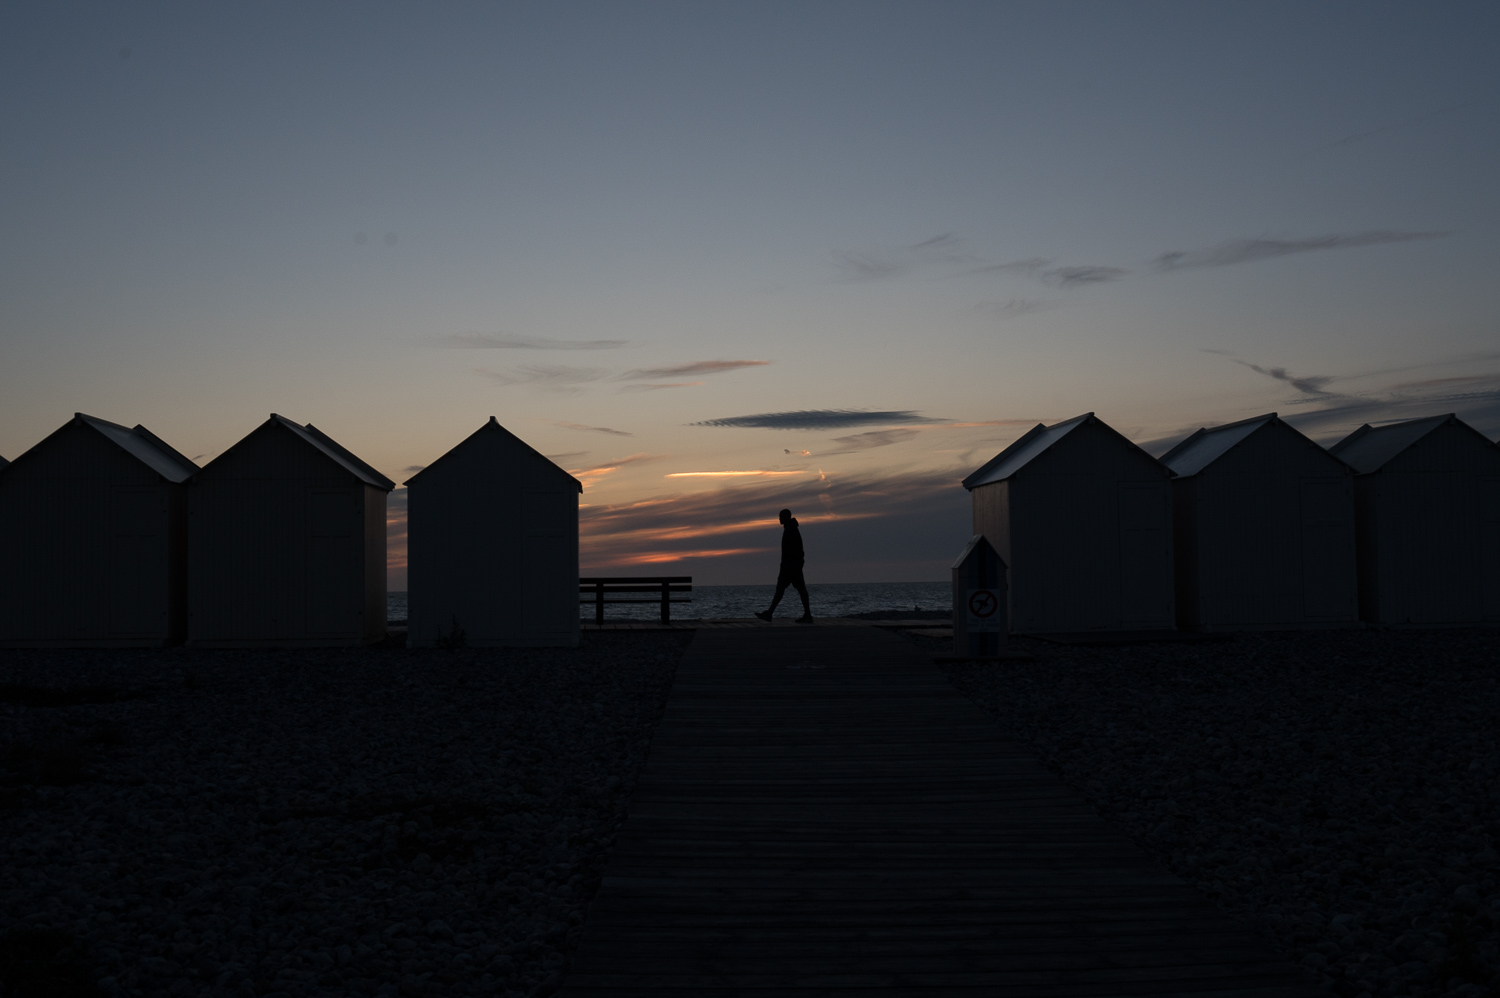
point(138, 564)
point(1328, 588)
point(1145, 555)
point(333, 587)
point(1489, 545)
point(549, 563)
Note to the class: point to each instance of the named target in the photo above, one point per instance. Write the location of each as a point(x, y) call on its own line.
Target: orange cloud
point(665, 527)
point(732, 474)
point(588, 476)
point(661, 557)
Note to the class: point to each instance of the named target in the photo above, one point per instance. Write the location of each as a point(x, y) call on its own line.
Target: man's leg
point(801, 586)
point(781, 584)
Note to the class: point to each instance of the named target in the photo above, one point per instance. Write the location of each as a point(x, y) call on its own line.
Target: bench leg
point(599, 606)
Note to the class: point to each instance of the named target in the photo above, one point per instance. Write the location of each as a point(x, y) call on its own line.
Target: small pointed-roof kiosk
point(1082, 517)
point(1427, 509)
point(492, 546)
point(92, 539)
point(286, 543)
point(1264, 530)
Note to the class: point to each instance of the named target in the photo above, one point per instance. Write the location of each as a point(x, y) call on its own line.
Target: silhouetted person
point(791, 569)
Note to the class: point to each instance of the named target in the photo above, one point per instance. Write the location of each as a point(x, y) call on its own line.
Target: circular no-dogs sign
point(984, 611)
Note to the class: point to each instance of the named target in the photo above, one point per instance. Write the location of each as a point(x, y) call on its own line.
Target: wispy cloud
point(949, 255)
point(1238, 251)
point(944, 250)
point(553, 378)
point(502, 341)
point(1031, 265)
point(859, 267)
point(695, 369)
point(733, 474)
point(592, 429)
point(1311, 384)
point(1042, 269)
point(588, 476)
point(666, 557)
point(568, 456)
point(996, 422)
point(819, 419)
point(872, 438)
point(413, 468)
point(1014, 308)
point(1335, 405)
point(658, 386)
point(1071, 277)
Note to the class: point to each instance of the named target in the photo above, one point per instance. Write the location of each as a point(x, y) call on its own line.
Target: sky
point(717, 259)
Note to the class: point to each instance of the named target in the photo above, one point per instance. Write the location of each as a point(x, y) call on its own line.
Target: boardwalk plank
point(822, 814)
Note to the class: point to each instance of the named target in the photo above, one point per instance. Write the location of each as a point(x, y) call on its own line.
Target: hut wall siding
point(991, 518)
point(1427, 557)
point(1489, 544)
point(1185, 554)
point(277, 538)
point(88, 536)
point(463, 564)
point(493, 546)
point(1272, 522)
point(1086, 529)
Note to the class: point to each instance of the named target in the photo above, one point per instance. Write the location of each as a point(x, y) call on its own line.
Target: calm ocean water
point(828, 600)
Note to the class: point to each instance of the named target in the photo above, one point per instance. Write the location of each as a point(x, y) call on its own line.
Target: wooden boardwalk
point(822, 813)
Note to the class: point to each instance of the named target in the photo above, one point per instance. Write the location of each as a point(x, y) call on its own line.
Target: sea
point(829, 599)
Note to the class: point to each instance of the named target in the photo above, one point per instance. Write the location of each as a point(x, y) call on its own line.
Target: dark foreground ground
point(1339, 790)
point(434, 823)
point(313, 822)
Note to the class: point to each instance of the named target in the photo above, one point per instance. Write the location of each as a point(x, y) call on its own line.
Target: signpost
point(980, 611)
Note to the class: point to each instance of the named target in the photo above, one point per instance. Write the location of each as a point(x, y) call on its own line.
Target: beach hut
point(1263, 524)
point(1427, 516)
point(286, 543)
point(1082, 517)
point(492, 546)
point(92, 539)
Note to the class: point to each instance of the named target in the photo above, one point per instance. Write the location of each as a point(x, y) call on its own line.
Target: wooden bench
point(608, 589)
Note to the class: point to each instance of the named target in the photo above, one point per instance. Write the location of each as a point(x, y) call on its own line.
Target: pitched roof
point(1369, 448)
point(143, 445)
point(1207, 445)
point(494, 426)
point(338, 452)
point(1031, 445)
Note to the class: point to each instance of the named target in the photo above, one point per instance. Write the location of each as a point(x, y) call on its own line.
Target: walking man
point(791, 569)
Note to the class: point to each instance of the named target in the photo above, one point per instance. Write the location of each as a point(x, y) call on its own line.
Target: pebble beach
point(390, 822)
point(313, 822)
point(1339, 791)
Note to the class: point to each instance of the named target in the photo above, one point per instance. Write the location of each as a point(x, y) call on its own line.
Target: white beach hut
point(92, 539)
point(1427, 509)
point(286, 543)
point(492, 546)
point(1263, 530)
point(1082, 517)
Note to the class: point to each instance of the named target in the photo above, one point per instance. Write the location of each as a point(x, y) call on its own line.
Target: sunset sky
point(847, 251)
